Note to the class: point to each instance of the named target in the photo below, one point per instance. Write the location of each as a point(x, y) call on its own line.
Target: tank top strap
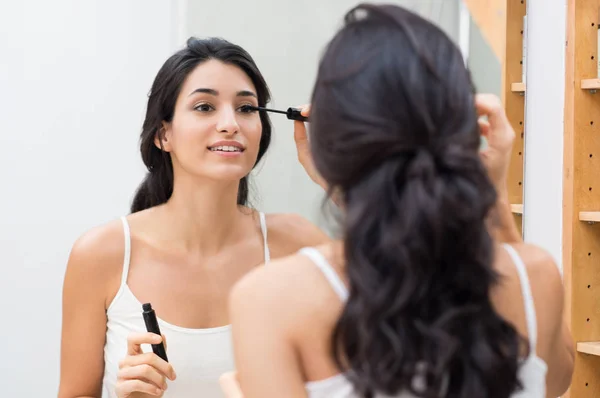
point(330, 274)
point(263, 229)
point(127, 256)
point(528, 302)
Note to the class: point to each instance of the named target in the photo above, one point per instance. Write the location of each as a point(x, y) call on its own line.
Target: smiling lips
point(227, 148)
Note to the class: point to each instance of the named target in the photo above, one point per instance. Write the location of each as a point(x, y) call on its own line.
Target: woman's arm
point(84, 318)
point(305, 156)
point(547, 280)
point(496, 158)
point(287, 233)
point(501, 222)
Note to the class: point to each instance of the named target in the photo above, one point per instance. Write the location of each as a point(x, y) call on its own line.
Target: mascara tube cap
point(296, 114)
point(152, 326)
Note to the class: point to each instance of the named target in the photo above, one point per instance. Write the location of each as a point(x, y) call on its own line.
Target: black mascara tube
point(152, 327)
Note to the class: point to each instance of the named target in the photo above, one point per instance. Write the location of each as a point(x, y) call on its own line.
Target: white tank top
point(532, 371)
point(199, 356)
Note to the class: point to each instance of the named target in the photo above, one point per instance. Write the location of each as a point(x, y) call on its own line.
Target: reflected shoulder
point(97, 249)
point(290, 232)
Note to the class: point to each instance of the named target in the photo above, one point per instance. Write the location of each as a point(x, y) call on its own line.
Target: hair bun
point(422, 166)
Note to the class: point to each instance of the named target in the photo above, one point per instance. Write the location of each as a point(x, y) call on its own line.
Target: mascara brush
point(291, 113)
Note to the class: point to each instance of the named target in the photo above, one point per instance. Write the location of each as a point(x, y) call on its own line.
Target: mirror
point(75, 80)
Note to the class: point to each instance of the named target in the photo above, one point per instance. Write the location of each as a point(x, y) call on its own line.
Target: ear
point(162, 138)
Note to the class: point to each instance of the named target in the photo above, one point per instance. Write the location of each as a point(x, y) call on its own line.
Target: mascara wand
point(291, 113)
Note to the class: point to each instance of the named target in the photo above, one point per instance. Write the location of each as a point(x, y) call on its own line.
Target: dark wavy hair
point(394, 130)
point(157, 186)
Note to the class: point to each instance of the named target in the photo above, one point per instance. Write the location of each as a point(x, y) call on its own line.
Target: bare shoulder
point(542, 269)
point(546, 283)
point(99, 245)
point(96, 258)
point(291, 290)
point(91, 281)
point(547, 289)
point(543, 274)
point(290, 232)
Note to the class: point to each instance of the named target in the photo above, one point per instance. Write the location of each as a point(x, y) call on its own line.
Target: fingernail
point(158, 391)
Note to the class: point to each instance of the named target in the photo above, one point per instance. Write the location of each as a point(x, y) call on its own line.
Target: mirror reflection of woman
point(430, 291)
point(191, 235)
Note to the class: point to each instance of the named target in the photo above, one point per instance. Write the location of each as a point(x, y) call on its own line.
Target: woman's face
point(210, 135)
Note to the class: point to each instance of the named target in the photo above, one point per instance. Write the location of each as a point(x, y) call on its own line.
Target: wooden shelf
point(590, 347)
point(589, 216)
point(513, 95)
point(517, 87)
point(517, 208)
point(590, 84)
point(581, 245)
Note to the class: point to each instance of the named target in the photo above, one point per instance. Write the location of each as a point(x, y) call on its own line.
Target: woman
point(190, 236)
point(417, 299)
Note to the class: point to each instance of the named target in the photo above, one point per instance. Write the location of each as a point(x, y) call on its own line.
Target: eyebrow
point(243, 93)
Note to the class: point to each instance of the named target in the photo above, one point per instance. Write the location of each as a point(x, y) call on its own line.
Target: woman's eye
point(246, 109)
point(203, 107)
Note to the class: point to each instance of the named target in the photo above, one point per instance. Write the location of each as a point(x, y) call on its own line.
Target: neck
point(203, 215)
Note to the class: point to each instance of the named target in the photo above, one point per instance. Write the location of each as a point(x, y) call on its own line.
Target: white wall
point(286, 39)
point(544, 114)
point(74, 76)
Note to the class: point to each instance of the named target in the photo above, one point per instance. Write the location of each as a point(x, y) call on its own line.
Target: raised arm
point(496, 157)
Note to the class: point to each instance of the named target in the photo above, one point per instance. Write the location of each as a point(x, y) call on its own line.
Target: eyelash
point(199, 106)
point(241, 108)
point(244, 109)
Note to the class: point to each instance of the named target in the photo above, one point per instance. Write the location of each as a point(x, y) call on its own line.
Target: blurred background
point(74, 79)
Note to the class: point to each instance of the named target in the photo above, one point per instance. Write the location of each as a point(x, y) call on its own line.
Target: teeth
point(226, 148)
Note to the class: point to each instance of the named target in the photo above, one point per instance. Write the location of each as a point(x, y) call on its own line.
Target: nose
point(227, 122)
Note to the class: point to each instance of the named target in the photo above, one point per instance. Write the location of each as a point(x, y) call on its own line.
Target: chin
point(226, 172)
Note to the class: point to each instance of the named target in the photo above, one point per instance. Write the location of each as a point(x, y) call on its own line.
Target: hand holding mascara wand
point(291, 113)
point(301, 139)
point(152, 327)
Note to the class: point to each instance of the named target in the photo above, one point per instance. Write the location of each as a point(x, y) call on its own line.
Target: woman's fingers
point(135, 341)
point(151, 359)
point(145, 373)
point(128, 388)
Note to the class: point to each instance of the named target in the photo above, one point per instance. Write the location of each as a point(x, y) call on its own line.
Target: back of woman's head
point(395, 131)
point(157, 186)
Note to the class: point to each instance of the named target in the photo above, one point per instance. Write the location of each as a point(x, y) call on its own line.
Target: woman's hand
point(230, 385)
point(142, 374)
point(303, 148)
point(496, 157)
point(500, 137)
point(305, 156)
